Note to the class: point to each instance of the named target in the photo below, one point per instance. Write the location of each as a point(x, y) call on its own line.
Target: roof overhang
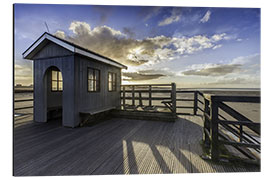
point(42, 41)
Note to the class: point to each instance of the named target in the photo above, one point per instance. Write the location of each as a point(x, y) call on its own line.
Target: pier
point(193, 142)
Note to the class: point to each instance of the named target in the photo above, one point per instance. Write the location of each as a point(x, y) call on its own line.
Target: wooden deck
point(116, 146)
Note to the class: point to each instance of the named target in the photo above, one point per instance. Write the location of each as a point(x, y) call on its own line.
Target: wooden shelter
point(72, 79)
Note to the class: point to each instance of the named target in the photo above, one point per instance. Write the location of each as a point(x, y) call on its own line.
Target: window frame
point(113, 83)
point(93, 80)
point(57, 81)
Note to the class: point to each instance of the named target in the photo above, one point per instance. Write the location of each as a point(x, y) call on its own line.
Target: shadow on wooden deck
point(116, 146)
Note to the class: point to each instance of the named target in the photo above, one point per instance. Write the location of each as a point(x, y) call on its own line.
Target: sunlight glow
point(171, 160)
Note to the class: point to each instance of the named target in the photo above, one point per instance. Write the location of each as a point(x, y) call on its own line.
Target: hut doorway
point(53, 95)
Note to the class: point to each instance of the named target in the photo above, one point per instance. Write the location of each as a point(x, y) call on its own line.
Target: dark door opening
point(54, 93)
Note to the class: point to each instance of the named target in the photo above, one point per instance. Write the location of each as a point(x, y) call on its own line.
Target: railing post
point(173, 97)
point(133, 96)
point(214, 129)
point(124, 97)
point(195, 103)
point(150, 95)
point(206, 123)
point(140, 99)
point(240, 133)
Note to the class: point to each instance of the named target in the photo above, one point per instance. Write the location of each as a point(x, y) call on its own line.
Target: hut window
point(57, 81)
point(93, 80)
point(112, 81)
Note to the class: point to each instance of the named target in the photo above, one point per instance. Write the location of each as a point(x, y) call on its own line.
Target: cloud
point(217, 46)
point(129, 32)
point(147, 13)
point(206, 17)
point(190, 45)
point(175, 17)
point(147, 74)
point(138, 76)
point(239, 39)
point(247, 60)
point(215, 70)
point(23, 74)
point(79, 28)
point(122, 47)
point(60, 34)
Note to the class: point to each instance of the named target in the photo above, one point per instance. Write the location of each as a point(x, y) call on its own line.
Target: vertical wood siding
point(75, 97)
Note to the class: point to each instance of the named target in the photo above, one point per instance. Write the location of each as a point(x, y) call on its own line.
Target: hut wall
point(65, 64)
point(95, 101)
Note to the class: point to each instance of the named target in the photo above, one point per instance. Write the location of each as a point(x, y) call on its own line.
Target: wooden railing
point(216, 126)
point(24, 107)
point(197, 101)
point(171, 101)
point(133, 93)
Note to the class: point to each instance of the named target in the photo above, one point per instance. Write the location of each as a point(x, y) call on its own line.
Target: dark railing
point(216, 126)
point(168, 97)
point(163, 94)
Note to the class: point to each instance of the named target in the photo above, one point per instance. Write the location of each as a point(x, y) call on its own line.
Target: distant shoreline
point(229, 91)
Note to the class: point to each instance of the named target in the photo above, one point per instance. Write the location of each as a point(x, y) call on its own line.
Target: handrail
point(23, 100)
point(146, 85)
point(237, 116)
point(134, 89)
point(212, 124)
point(25, 107)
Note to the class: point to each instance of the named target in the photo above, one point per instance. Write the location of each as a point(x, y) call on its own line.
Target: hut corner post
point(195, 103)
point(124, 97)
point(214, 129)
point(173, 97)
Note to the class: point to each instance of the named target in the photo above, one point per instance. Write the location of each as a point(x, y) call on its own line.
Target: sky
point(195, 47)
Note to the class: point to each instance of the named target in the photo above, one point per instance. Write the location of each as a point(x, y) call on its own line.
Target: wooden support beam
point(235, 114)
point(124, 97)
point(150, 95)
point(173, 97)
point(23, 100)
point(20, 108)
point(206, 126)
point(214, 130)
point(195, 103)
point(140, 99)
point(133, 96)
point(257, 146)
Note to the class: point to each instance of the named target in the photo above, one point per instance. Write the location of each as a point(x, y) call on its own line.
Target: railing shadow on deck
point(207, 109)
point(84, 148)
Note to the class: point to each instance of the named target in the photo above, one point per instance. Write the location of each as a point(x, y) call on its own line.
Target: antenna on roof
point(47, 26)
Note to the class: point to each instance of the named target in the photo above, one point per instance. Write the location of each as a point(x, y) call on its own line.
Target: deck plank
point(116, 146)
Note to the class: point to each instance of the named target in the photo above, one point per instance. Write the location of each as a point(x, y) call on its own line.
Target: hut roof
point(43, 39)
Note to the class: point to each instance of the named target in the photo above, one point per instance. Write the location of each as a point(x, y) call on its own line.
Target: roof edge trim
point(26, 54)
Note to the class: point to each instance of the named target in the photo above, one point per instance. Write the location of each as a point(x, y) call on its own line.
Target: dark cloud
point(218, 70)
point(135, 76)
point(148, 74)
point(136, 62)
point(129, 32)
